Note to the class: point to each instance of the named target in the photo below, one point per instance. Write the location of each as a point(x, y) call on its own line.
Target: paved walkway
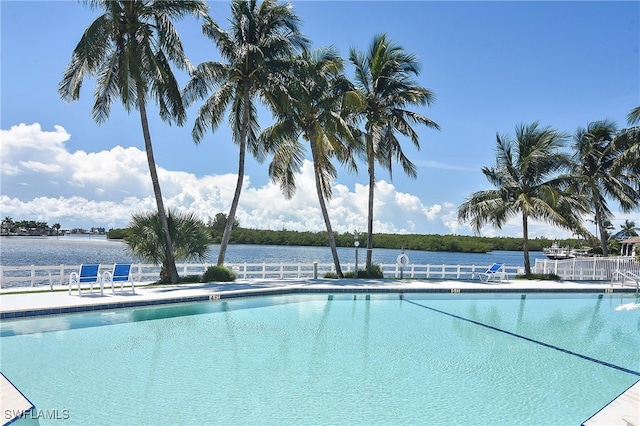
point(623, 411)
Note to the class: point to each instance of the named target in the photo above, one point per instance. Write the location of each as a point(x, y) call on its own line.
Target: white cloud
point(43, 180)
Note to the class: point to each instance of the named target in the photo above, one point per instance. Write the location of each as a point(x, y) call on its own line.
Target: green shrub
point(330, 275)
point(219, 274)
point(373, 272)
point(190, 279)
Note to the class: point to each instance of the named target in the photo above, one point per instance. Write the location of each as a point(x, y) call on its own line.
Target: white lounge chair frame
point(89, 274)
point(495, 273)
point(121, 273)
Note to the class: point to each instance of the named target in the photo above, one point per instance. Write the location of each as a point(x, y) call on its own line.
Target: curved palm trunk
point(170, 261)
point(325, 213)
point(372, 184)
point(601, 230)
point(525, 243)
point(234, 206)
point(236, 195)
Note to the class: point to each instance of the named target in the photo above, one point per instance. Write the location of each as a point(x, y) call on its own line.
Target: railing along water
point(587, 268)
point(50, 276)
point(578, 269)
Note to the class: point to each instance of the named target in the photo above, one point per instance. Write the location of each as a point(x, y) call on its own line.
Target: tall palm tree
point(129, 49)
point(189, 236)
point(256, 49)
point(634, 116)
point(630, 138)
point(384, 78)
point(527, 180)
point(629, 228)
point(602, 175)
point(311, 107)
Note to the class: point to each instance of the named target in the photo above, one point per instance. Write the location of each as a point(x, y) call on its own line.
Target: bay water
point(75, 250)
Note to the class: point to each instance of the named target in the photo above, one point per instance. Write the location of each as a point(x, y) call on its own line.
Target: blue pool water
point(332, 359)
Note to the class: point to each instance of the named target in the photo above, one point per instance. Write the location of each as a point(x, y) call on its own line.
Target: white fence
point(50, 276)
point(587, 268)
point(578, 269)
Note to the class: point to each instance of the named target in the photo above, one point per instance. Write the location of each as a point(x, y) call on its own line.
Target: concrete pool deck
point(29, 302)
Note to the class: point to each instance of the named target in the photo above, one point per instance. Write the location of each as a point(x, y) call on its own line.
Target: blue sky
point(491, 65)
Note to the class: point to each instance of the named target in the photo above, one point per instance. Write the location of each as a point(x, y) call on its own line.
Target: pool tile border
point(22, 314)
point(234, 294)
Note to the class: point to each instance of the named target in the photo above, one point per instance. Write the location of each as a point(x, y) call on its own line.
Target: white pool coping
point(44, 298)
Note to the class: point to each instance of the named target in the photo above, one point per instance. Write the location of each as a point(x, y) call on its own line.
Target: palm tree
point(528, 181)
point(189, 236)
point(8, 224)
point(383, 76)
point(630, 138)
point(629, 228)
point(606, 170)
point(256, 48)
point(129, 49)
point(634, 116)
point(311, 108)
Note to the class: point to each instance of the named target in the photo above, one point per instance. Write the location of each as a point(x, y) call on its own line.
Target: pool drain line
point(528, 339)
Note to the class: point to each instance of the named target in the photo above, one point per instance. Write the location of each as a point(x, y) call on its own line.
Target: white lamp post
point(356, 243)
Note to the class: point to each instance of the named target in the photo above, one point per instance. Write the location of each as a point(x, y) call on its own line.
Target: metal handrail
point(630, 276)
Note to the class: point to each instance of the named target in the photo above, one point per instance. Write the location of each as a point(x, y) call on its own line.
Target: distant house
point(629, 246)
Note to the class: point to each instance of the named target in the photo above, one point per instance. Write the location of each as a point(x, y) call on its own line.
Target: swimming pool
point(332, 359)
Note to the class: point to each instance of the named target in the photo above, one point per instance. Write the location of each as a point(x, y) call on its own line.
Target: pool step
point(622, 411)
point(13, 404)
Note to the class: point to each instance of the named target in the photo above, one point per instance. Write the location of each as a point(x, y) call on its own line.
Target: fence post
point(33, 275)
point(1, 276)
point(315, 269)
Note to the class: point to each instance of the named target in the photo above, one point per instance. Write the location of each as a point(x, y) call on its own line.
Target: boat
point(555, 252)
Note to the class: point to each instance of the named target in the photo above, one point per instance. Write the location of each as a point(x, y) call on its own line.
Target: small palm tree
point(8, 224)
point(528, 181)
point(311, 107)
point(629, 228)
point(129, 49)
point(606, 165)
point(384, 78)
point(189, 235)
point(256, 49)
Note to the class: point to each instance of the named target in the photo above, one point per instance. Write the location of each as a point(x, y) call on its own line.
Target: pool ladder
point(627, 275)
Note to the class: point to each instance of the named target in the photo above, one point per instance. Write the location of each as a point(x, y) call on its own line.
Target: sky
point(491, 66)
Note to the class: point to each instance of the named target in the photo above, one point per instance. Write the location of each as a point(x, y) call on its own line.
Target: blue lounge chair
point(89, 273)
point(121, 274)
point(495, 272)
